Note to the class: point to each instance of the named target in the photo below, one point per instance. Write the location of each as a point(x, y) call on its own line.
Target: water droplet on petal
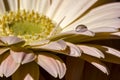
point(81, 28)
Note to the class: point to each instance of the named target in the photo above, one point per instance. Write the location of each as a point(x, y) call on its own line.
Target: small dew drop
point(81, 28)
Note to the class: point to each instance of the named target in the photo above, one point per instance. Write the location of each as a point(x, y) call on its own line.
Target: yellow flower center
point(29, 26)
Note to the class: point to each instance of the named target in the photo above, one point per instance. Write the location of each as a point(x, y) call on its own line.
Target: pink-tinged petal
point(9, 66)
point(92, 51)
point(52, 64)
point(102, 67)
point(10, 40)
point(74, 50)
point(22, 56)
point(96, 62)
point(28, 71)
point(57, 45)
point(3, 50)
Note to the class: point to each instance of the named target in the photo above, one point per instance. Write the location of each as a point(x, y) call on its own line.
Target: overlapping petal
point(91, 51)
point(22, 56)
point(111, 55)
point(74, 50)
point(68, 15)
point(8, 66)
point(52, 64)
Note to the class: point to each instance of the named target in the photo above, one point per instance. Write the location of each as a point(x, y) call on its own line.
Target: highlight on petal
point(52, 64)
point(96, 62)
point(28, 71)
point(92, 51)
point(8, 66)
point(21, 55)
point(74, 50)
point(10, 40)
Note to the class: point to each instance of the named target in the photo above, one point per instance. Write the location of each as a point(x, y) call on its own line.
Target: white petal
point(42, 6)
point(67, 7)
point(13, 4)
point(106, 18)
point(77, 11)
point(52, 64)
point(115, 22)
point(103, 12)
point(74, 50)
point(91, 51)
point(104, 29)
point(28, 5)
point(2, 7)
point(53, 8)
point(112, 51)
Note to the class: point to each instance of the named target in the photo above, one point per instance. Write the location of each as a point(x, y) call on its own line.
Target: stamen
point(29, 26)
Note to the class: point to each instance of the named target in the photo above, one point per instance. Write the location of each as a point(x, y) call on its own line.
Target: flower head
point(34, 32)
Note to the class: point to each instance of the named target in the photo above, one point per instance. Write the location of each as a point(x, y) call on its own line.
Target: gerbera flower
point(34, 32)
